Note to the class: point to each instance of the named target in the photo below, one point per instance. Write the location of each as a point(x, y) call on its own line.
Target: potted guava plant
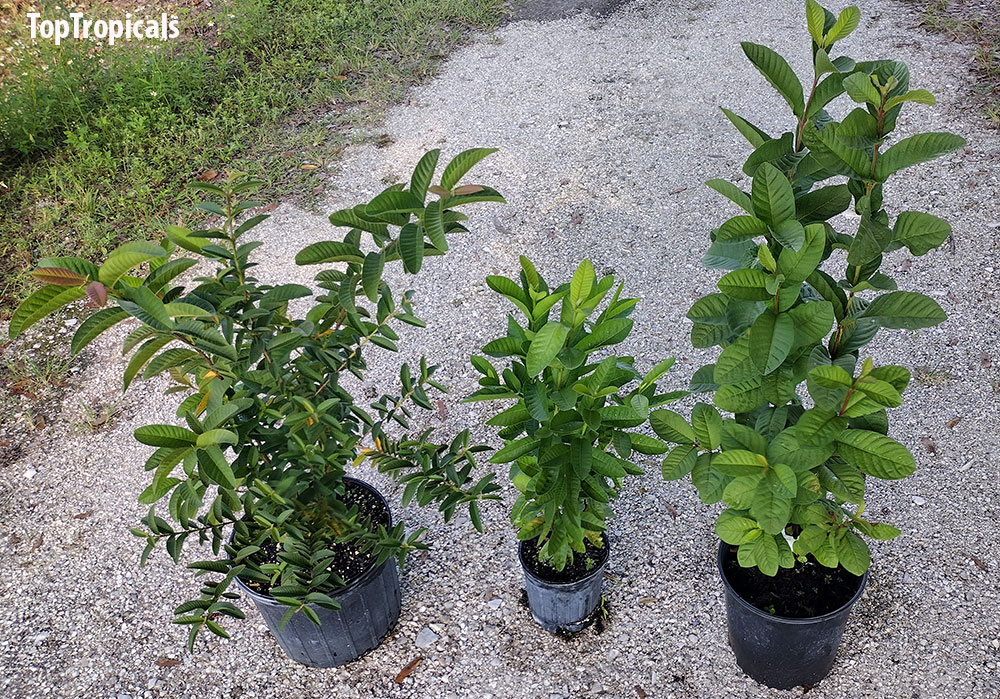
point(569, 411)
point(269, 422)
point(801, 300)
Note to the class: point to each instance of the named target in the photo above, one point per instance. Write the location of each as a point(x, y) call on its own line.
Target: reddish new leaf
point(60, 276)
point(98, 293)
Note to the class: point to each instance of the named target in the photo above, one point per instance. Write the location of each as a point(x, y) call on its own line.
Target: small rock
point(30, 473)
point(70, 322)
point(919, 501)
point(495, 603)
point(426, 638)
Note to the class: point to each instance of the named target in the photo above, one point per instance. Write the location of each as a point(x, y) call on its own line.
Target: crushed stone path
point(607, 128)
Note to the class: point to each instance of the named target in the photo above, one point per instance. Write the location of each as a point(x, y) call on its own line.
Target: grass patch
point(975, 22)
point(97, 142)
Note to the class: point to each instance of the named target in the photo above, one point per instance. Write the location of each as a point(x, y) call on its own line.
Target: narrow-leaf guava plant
point(571, 408)
point(270, 425)
point(802, 299)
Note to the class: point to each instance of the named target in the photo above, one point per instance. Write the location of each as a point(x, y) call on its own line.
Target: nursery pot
point(369, 607)
point(563, 606)
point(782, 652)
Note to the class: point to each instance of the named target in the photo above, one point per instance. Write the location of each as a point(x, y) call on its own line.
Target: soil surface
point(807, 590)
point(350, 563)
point(582, 565)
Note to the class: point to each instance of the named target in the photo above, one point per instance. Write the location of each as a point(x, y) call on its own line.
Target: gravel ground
point(607, 129)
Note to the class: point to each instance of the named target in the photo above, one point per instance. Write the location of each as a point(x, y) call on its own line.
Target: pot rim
point(599, 570)
point(369, 573)
point(786, 619)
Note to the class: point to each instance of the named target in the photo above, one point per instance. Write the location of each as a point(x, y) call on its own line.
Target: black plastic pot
point(369, 607)
point(563, 607)
point(783, 652)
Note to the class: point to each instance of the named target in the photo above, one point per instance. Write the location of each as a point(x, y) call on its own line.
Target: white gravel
point(615, 120)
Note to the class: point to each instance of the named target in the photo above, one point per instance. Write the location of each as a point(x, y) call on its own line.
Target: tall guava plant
point(805, 292)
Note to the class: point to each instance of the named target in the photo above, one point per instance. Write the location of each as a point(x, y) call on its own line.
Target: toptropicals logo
point(110, 30)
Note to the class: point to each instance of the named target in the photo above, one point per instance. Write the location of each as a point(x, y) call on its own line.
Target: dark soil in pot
point(807, 590)
point(785, 630)
point(582, 565)
point(370, 598)
point(349, 563)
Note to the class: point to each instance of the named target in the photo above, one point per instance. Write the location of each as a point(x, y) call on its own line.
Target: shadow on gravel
point(548, 10)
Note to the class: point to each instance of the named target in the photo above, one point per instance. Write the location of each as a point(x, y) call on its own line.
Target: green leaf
point(670, 426)
point(875, 454)
point(126, 258)
point(739, 397)
point(920, 232)
point(393, 201)
point(772, 195)
point(741, 228)
point(833, 377)
point(815, 20)
point(734, 363)
point(735, 529)
point(751, 133)
point(582, 283)
point(822, 204)
point(853, 553)
point(411, 248)
point(544, 347)
point(763, 551)
point(214, 466)
point(846, 23)
point(813, 322)
point(919, 96)
point(732, 193)
point(797, 266)
point(647, 445)
point(790, 234)
point(710, 483)
point(783, 478)
point(514, 450)
point(778, 73)
point(371, 274)
point(536, 400)
point(215, 437)
point(434, 225)
point(176, 356)
point(913, 150)
point(771, 506)
point(881, 392)
point(859, 88)
point(738, 493)
point(40, 304)
point(739, 462)
point(771, 338)
point(604, 333)
point(165, 436)
point(147, 307)
point(707, 426)
point(746, 284)
point(679, 462)
point(461, 164)
point(328, 251)
point(907, 310)
point(423, 174)
point(94, 326)
point(141, 356)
